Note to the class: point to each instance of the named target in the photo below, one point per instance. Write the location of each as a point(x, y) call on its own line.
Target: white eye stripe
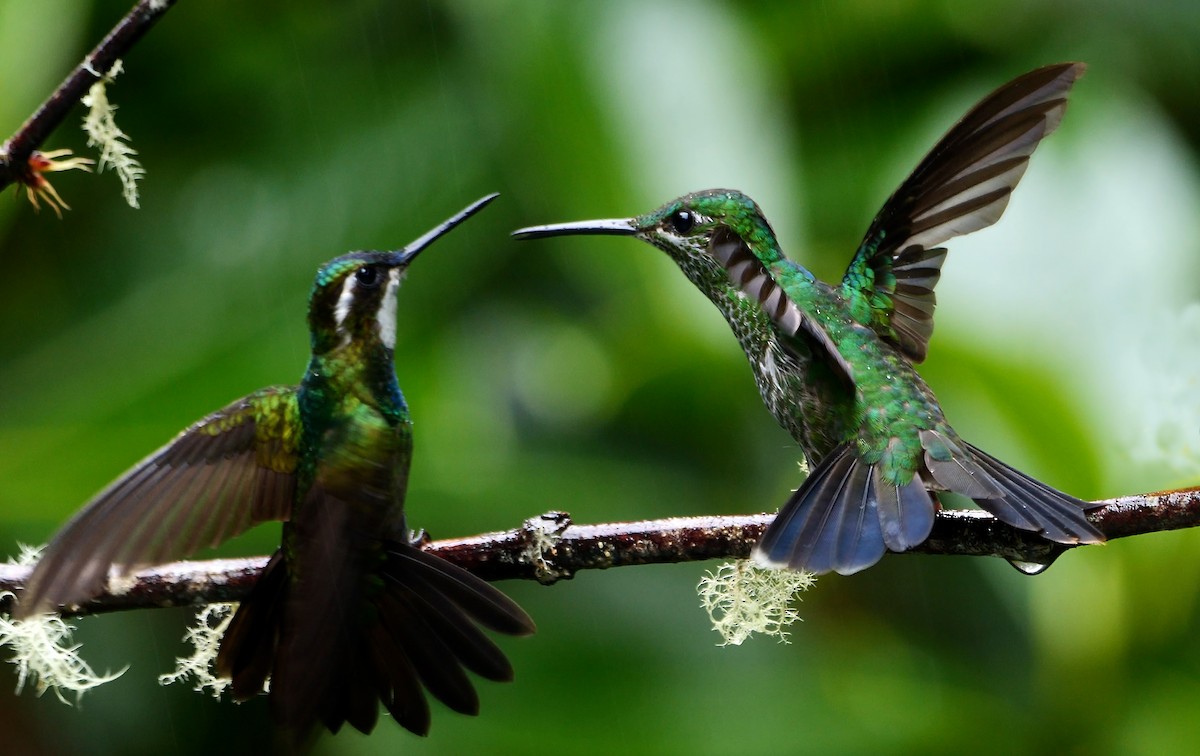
point(385, 315)
point(341, 311)
point(387, 310)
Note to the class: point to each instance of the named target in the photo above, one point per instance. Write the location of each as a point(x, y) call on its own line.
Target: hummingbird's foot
point(419, 538)
point(37, 185)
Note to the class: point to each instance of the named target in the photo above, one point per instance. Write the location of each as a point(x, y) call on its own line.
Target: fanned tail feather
point(1031, 505)
point(905, 512)
point(247, 651)
point(388, 641)
point(954, 469)
point(485, 604)
point(844, 517)
point(858, 535)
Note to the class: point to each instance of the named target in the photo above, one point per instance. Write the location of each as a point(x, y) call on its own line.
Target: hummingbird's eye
point(682, 221)
point(368, 276)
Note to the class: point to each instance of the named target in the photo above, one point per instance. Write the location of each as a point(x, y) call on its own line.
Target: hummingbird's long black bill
point(612, 227)
point(413, 248)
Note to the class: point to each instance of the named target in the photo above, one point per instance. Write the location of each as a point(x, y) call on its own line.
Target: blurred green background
point(585, 375)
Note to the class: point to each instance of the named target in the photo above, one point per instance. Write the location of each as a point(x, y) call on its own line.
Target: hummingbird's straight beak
point(613, 227)
point(413, 248)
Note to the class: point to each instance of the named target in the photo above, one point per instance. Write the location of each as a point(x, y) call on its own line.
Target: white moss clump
point(43, 655)
point(205, 637)
point(41, 649)
point(742, 598)
point(102, 131)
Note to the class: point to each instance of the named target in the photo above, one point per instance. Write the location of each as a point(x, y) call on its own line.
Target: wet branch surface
point(550, 548)
point(15, 153)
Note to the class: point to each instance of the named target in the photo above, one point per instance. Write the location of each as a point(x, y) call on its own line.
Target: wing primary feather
point(68, 570)
point(192, 492)
point(962, 185)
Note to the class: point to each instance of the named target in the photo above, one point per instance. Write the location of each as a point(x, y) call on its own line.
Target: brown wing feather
point(961, 186)
point(233, 469)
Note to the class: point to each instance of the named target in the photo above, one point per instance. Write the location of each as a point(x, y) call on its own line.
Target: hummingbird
point(835, 365)
point(349, 611)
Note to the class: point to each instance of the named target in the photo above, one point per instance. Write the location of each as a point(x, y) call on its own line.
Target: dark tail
point(844, 517)
point(248, 648)
point(1029, 504)
point(334, 655)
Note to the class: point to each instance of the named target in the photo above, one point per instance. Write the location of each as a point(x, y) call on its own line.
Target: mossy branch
point(549, 548)
point(17, 151)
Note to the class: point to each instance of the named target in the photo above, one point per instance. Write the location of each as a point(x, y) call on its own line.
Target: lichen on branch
point(102, 131)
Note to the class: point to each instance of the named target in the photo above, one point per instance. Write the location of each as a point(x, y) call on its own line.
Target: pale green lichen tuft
point(742, 598)
point(540, 545)
point(41, 648)
point(43, 656)
point(205, 636)
point(102, 131)
point(544, 532)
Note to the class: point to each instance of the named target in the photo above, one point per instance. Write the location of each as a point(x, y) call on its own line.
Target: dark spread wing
point(961, 186)
point(233, 469)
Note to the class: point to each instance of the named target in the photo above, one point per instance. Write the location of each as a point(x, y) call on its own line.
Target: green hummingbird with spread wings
point(348, 612)
point(835, 365)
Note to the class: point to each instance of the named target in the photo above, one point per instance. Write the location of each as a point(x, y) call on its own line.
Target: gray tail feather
point(844, 517)
point(1029, 504)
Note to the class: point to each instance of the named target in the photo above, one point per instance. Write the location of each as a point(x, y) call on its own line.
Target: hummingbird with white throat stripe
point(349, 611)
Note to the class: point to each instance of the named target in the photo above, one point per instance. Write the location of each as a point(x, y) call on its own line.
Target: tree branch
point(15, 153)
point(549, 548)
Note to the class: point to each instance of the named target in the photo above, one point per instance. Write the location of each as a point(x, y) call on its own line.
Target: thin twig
point(15, 153)
point(549, 548)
